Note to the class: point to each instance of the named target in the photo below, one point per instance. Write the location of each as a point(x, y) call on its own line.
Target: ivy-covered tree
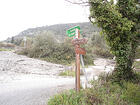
point(120, 24)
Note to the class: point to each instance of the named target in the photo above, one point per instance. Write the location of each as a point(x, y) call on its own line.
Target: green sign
point(72, 31)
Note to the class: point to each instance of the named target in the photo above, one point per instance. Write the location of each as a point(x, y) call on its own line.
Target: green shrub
point(99, 46)
point(102, 52)
point(88, 58)
point(132, 93)
point(46, 47)
point(102, 92)
point(68, 98)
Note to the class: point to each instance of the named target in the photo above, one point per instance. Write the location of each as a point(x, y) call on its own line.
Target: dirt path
point(27, 81)
point(32, 90)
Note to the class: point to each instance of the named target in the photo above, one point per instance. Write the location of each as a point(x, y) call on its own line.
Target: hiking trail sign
point(72, 31)
point(79, 41)
point(75, 31)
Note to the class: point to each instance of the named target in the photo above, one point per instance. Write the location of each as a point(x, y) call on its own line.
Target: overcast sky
point(18, 15)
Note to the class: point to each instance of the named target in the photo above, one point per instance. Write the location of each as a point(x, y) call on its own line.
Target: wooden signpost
point(72, 31)
point(79, 50)
point(75, 31)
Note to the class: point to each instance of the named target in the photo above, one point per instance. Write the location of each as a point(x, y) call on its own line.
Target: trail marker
point(72, 31)
point(79, 41)
point(75, 31)
point(80, 51)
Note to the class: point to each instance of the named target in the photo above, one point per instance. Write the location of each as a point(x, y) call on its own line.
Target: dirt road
point(27, 81)
point(32, 90)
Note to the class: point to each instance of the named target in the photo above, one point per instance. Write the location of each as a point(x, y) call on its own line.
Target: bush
point(6, 45)
point(102, 52)
point(46, 47)
point(103, 92)
point(68, 98)
point(99, 46)
point(132, 93)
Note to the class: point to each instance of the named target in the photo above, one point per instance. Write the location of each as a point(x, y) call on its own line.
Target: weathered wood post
point(75, 31)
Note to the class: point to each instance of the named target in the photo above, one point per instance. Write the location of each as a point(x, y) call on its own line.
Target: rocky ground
point(12, 64)
point(27, 81)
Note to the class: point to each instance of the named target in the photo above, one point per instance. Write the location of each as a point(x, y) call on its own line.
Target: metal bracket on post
point(83, 66)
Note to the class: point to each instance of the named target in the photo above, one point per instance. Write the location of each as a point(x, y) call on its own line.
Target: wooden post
point(77, 64)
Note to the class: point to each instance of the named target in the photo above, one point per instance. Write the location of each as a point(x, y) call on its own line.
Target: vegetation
point(103, 92)
point(67, 73)
point(119, 23)
point(96, 46)
point(1, 49)
point(6, 46)
point(59, 31)
point(99, 46)
point(46, 47)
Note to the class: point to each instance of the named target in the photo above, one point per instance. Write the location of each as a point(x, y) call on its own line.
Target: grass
point(68, 98)
point(102, 93)
point(1, 49)
point(67, 73)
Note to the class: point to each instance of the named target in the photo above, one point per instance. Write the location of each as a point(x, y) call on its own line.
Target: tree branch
point(85, 3)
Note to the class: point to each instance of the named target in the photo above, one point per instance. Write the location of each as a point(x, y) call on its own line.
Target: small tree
point(12, 40)
point(119, 23)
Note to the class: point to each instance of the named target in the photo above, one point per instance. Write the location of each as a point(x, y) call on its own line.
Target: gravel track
point(27, 81)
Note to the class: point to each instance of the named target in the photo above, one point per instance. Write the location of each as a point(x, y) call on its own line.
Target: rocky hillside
point(59, 30)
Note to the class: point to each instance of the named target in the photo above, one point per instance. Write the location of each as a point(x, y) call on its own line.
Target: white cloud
point(18, 15)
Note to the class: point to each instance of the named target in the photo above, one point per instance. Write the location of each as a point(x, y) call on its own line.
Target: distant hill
point(59, 30)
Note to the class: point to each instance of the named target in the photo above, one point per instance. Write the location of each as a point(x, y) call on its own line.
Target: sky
point(19, 15)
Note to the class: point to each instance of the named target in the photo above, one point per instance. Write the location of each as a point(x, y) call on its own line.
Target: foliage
point(102, 92)
point(97, 47)
point(15, 41)
point(68, 98)
point(46, 47)
point(118, 23)
point(102, 52)
point(132, 93)
point(88, 58)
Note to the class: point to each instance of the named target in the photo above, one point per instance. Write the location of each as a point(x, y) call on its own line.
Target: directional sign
point(72, 31)
point(79, 41)
point(80, 50)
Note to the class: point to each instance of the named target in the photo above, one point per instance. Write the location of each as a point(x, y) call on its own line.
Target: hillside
point(59, 30)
